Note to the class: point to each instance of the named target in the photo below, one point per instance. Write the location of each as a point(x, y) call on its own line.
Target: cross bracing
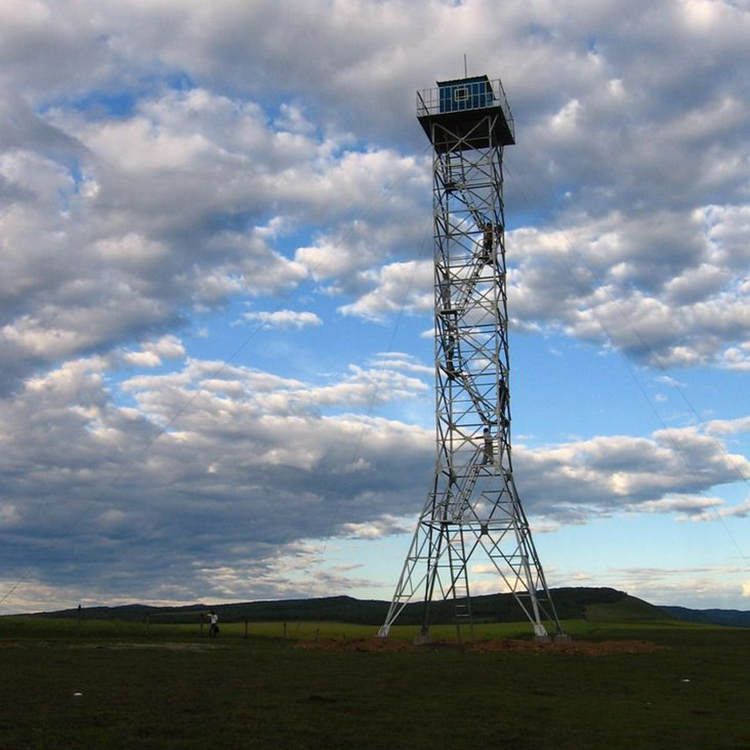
point(472, 510)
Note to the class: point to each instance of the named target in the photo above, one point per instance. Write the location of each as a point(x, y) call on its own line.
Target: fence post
point(79, 620)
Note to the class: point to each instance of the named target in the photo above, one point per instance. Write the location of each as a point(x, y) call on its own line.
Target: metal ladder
point(460, 590)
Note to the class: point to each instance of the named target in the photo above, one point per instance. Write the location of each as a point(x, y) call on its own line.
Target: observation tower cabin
point(454, 114)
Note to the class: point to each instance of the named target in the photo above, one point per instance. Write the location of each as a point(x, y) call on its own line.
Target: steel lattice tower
point(473, 507)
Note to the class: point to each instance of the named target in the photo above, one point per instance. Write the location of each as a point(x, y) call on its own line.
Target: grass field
point(174, 689)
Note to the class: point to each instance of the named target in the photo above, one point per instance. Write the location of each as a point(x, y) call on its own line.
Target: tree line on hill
point(571, 603)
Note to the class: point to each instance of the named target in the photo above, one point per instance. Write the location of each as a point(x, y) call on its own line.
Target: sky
point(216, 364)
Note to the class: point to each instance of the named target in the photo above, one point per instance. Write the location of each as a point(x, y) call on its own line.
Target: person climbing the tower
point(450, 349)
point(502, 400)
point(488, 242)
point(445, 296)
point(489, 447)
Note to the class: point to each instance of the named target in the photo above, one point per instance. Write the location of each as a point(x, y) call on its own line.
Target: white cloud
point(642, 286)
point(9, 514)
point(169, 347)
point(398, 286)
point(687, 505)
point(142, 359)
point(728, 426)
point(152, 240)
point(387, 525)
point(153, 352)
point(158, 191)
point(241, 444)
point(402, 361)
point(215, 482)
point(700, 587)
point(576, 481)
point(740, 510)
point(284, 319)
point(161, 162)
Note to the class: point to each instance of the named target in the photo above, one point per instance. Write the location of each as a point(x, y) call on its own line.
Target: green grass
point(39, 627)
point(266, 693)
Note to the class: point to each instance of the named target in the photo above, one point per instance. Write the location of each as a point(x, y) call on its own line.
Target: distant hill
point(732, 617)
point(625, 609)
point(593, 604)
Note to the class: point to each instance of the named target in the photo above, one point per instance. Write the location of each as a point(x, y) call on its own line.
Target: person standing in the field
point(213, 629)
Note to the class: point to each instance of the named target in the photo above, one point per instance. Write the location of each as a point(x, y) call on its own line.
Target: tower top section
point(460, 108)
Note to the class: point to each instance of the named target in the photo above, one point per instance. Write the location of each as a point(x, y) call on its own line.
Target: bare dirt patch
point(167, 646)
point(356, 644)
point(578, 648)
point(584, 648)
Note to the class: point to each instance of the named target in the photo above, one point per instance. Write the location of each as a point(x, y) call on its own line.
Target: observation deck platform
point(460, 109)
